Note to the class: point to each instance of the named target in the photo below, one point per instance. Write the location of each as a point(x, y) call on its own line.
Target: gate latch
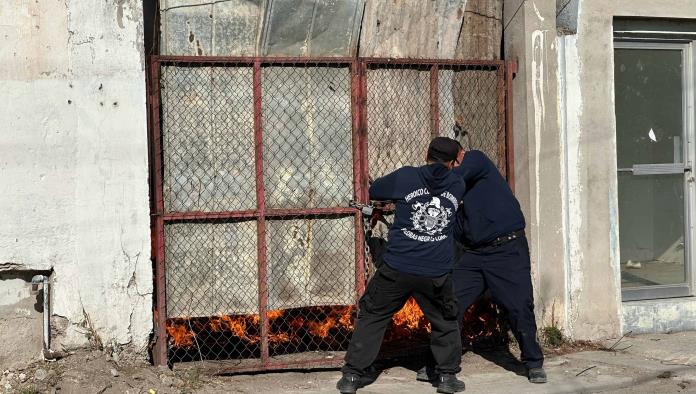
point(366, 209)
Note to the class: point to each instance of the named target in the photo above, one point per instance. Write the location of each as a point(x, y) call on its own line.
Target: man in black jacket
point(418, 262)
point(495, 255)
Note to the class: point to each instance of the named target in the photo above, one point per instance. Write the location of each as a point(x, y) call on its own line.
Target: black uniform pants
point(386, 294)
point(505, 270)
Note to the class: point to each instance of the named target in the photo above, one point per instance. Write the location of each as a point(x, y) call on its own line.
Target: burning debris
point(312, 328)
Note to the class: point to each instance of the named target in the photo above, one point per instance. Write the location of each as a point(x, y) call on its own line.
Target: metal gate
point(259, 261)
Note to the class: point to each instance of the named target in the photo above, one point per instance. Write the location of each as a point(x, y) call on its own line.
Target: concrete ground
point(664, 363)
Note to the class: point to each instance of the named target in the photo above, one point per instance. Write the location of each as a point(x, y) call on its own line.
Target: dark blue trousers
point(505, 270)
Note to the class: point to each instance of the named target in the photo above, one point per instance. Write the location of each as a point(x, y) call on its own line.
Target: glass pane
point(649, 121)
point(651, 215)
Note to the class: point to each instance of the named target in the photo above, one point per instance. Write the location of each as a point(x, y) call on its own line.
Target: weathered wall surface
point(73, 163)
point(530, 37)
point(21, 316)
point(444, 29)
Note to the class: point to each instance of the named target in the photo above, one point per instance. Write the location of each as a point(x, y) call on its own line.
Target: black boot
point(426, 374)
point(537, 375)
point(449, 384)
point(348, 384)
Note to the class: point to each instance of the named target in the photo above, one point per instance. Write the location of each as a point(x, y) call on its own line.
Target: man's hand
point(460, 156)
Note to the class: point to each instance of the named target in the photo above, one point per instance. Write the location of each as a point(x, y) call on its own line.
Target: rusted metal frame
point(387, 61)
point(159, 351)
point(434, 102)
point(501, 130)
point(219, 368)
point(252, 214)
point(251, 60)
point(361, 102)
point(510, 71)
point(261, 210)
point(358, 175)
point(363, 132)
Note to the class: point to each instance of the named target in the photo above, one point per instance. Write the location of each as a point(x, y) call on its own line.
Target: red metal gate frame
point(358, 73)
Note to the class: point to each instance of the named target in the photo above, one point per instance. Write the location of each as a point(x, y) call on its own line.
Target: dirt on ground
point(658, 363)
point(97, 372)
point(93, 371)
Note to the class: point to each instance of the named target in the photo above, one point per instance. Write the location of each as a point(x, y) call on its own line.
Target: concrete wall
point(73, 164)
point(530, 37)
point(581, 142)
point(597, 130)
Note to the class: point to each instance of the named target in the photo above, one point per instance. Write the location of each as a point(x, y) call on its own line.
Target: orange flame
point(480, 321)
point(339, 317)
point(180, 335)
point(411, 317)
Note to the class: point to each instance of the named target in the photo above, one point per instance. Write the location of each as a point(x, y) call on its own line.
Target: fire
point(180, 335)
point(341, 317)
point(330, 324)
point(411, 317)
point(246, 327)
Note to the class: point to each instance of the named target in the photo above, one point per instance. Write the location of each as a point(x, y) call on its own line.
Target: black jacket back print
point(427, 199)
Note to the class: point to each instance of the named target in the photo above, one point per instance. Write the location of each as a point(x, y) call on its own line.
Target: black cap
point(443, 149)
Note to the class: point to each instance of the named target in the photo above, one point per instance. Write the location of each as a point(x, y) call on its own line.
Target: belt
point(502, 240)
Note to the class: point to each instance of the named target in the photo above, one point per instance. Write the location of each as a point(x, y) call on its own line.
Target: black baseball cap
point(443, 149)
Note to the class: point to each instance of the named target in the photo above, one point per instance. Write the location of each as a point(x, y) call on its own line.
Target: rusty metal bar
point(261, 209)
point(253, 60)
point(501, 153)
point(363, 134)
point(510, 71)
point(159, 352)
point(360, 257)
point(374, 60)
point(329, 60)
point(434, 102)
point(234, 367)
point(250, 214)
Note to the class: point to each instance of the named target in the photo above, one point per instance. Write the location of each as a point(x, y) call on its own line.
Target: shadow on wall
point(21, 319)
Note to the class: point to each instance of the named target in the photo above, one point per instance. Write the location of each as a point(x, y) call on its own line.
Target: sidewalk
point(644, 364)
point(664, 363)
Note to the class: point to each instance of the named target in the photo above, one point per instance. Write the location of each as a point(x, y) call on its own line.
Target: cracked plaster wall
point(73, 162)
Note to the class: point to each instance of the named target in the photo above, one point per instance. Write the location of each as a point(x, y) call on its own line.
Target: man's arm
point(473, 166)
point(384, 188)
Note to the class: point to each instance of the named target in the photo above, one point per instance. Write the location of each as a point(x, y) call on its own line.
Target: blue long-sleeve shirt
point(490, 209)
point(427, 199)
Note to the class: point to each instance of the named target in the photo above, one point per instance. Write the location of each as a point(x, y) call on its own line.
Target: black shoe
point(349, 383)
point(449, 384)
point(426, 374)
point(536, 375)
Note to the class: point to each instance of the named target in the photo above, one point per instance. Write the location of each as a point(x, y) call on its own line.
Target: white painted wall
point(530, 38)
point(73, 161)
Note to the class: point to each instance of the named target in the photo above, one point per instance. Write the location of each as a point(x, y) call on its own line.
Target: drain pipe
point(37, 280)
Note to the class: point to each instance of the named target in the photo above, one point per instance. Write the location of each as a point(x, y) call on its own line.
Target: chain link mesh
point(216, 230)
point(470, 106)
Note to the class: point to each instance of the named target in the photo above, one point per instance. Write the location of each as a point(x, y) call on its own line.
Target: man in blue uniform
point(418, 263)
point(495, 256)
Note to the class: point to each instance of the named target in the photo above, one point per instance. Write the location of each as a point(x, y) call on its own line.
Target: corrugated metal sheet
point(261, 27)
point(312, 27)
